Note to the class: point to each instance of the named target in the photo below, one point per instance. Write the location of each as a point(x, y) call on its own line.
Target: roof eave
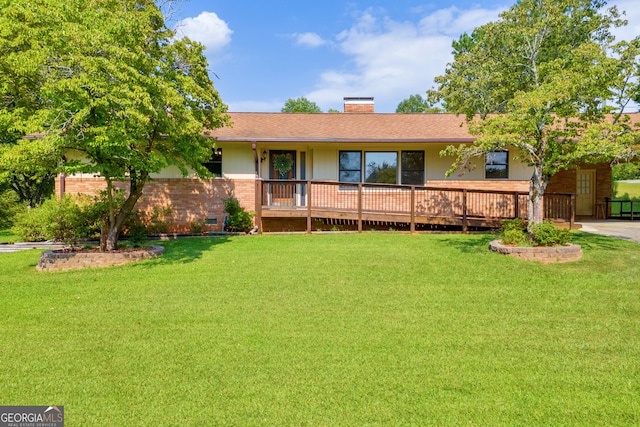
point(345, 140)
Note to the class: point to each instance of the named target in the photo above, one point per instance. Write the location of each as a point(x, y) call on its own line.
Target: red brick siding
point(565, 181)
point(189, 199)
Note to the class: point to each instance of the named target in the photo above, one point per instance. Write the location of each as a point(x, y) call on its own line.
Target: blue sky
point(264, 52)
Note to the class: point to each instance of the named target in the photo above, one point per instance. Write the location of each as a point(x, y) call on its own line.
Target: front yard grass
point(626, 190)
point(328, 330)
point(7, 236)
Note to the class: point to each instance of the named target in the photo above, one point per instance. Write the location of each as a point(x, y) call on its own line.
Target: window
point(214, 165)
point(350, 166)
point(497, 165)
point(382, 167)
point(412, 168)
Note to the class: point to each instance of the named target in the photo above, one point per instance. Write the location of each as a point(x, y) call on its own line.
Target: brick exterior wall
point(189, 199)
point(565, 181)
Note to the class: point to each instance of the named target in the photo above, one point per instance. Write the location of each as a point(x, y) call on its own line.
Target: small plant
point(239, 219)
point(197, 226)
point(514, 232)
point(334, 228)
point(547, 234)
point(159, 221)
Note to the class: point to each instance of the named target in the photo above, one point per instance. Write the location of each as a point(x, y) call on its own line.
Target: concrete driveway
point(24, 246)
point(628, 230)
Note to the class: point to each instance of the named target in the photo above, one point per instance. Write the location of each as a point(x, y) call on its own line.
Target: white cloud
point(308, 39)
point(208, 29)
point(391, 60)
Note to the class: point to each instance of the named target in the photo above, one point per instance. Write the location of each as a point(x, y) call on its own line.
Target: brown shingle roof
point(328, 127)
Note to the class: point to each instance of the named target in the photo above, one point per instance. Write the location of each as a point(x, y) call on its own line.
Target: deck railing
point(622, 209)
point(414, 202)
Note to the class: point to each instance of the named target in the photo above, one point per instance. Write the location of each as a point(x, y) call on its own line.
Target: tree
point(118, 89)
point(26, 167)
point(300, 105)
point(416, 104)
point(549, 68)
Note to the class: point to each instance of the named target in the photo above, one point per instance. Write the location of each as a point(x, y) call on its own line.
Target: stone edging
point(60, 260)
point(566, 253)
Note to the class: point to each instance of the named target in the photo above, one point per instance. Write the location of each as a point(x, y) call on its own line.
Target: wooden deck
point(364, 203)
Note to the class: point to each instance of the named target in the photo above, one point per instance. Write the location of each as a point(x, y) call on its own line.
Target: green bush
point(547, 234)
point(513, 224)
point(515, 237)
point(56, 219)
point(159, 220)
point(514, 232)
point(239, 219)
point(197, 226)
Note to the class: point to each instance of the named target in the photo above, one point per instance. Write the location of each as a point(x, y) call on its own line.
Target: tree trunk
point(536, 199)
point(112, 226)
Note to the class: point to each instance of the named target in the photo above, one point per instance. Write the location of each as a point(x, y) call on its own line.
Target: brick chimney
point(358, 104)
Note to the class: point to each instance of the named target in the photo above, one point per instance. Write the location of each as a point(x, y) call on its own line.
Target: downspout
point(258, 187)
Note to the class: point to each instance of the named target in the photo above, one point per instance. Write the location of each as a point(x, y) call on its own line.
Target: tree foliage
point(115, 86)
point(552, 71)
point(416, 104)
point(300, 105)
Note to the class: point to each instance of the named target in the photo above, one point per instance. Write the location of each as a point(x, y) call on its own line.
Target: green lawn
point(328, 330)
point(7, 236)
point(626, 191)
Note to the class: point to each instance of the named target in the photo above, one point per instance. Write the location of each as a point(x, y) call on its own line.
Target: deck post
point(258, 197)
point(412, 228)
point(360, 207)
point(308, 206)
point(464, 211)
point(516, 205)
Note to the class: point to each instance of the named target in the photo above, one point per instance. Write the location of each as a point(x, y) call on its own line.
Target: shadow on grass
point(473, 243)
point(186, 250)
point(597, 241)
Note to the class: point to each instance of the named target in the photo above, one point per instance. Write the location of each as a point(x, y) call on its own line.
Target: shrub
point(514, 232)
point(515, 237)
point(513, 224)
point(197, 226)
point(135, 229)
point(56, 219)
point(159, 220)
point(547, 234)
point(239, 219)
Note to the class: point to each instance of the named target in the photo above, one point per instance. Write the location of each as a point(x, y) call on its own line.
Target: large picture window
point(497, 165)
point(382, 167)
point(412, 168)
point(214, 165)
point(350, 166)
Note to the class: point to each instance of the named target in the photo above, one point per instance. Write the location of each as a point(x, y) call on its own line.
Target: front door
point(585, 192)
point(282, 166)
